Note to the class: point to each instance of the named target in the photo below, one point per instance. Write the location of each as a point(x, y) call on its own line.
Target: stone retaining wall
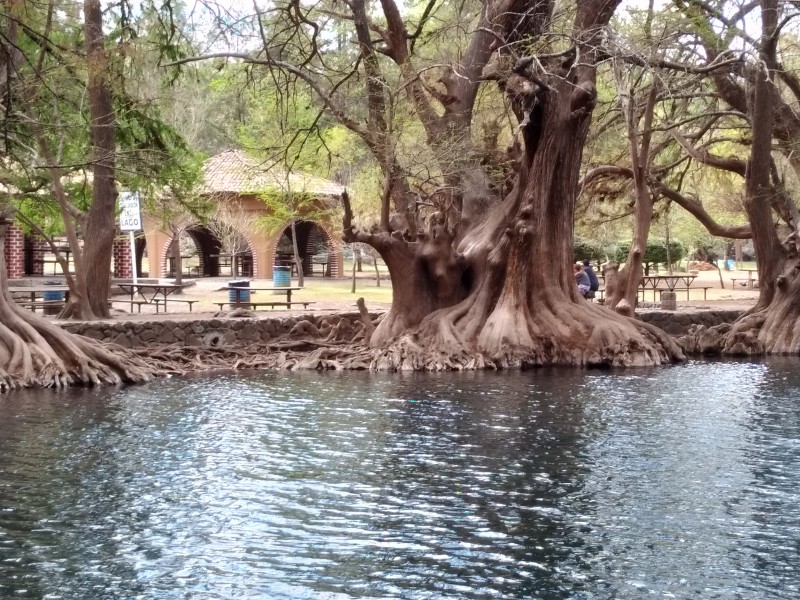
point(678, 322)
point(226, 331)
point(201, 332)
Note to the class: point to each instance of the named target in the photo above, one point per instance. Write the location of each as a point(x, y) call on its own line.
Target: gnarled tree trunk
point(773, 326)
point(504, 295)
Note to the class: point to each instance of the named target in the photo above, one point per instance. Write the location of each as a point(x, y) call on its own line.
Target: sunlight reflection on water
point(679, 482)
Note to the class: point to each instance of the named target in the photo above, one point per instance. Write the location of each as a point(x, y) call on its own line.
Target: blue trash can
point(244, 293)
point(731, 264)
point(281, 276)
point(51, 297)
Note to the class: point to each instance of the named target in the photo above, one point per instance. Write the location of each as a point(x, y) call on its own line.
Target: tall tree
point(34, 351)
point(100, 221)
point(757, 86)
point(481, 262)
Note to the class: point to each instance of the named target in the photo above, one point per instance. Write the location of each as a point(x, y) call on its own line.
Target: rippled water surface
point(681, 482)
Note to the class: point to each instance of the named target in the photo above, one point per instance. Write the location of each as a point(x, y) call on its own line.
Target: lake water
point(680, 482)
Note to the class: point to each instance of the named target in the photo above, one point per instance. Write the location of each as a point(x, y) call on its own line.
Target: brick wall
point(122, 257)
point(15, 253)
point(38, 248)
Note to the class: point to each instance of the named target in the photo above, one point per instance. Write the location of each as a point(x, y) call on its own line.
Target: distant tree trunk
point(353, 272)
point(100, 226)
point(177, 260)
point(629, 278)
point(357, 259)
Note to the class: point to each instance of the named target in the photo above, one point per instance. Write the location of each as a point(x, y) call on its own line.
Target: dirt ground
point(729, 297)
point(209, 290)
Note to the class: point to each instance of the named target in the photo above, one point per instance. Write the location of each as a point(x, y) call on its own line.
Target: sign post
point(130, 220)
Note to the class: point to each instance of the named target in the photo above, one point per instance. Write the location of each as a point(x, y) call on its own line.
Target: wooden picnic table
point(670, 282)
point(158, 292)
point(38, 289)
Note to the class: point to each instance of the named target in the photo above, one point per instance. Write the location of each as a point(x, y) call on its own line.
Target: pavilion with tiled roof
point(235, 172)
point(235, 178)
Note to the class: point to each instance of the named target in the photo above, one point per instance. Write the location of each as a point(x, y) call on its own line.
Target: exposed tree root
point(566, 334)
point(772, 327)
point(36, 353)
point(285, 354)
point(704, 340)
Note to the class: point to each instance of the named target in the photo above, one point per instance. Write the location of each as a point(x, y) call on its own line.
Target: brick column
point(123, 266)
point(15, 252)
point(37, 248)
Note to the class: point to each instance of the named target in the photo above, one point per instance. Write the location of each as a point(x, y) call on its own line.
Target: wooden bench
point(185, 301)
point(255, 305)
point(34, 304)
point(688, 290)
point(286, 304)
point(747, 282)
point(139, 303)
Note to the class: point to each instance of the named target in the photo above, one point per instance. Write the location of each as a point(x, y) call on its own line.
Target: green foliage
point(49, 96)
point(656, 253)
point(585, 248)
point(286, 206)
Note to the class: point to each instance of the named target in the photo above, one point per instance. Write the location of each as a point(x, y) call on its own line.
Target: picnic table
point(323, 260)
point(39, 291)
point(665, 282)
point(158, 293)
point(750, 281)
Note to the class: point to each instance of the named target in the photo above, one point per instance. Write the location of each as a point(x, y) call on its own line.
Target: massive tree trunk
point(481, 266)
point(773, 326)
point(506, 296)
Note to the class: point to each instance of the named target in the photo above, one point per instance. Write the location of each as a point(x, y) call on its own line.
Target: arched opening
point(207, 256)
point(143, 269)
point(315, 247)
point(190, 257)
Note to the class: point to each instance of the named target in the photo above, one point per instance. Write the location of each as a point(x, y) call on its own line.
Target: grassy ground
point(341, 289)
point(335, 295)
point(327, 294)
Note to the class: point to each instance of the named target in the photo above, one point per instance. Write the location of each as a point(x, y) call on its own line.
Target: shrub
point(656, 253)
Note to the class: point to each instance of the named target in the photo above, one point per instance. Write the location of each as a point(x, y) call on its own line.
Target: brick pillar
point(123, 266)
point(37, 248)
point(15, 252)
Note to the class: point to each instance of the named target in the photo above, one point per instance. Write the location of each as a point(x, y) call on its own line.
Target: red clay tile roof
point(235, 172)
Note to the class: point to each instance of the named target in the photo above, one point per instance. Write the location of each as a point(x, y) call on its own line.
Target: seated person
point(594, 282)
point(582, 280)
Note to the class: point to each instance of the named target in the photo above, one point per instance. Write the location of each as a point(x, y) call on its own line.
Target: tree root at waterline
point(563, 334)
point(772, 327)
point(288, 354)
point(36, 353)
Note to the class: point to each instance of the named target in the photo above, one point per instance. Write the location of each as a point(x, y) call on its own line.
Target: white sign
point(130, 219)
